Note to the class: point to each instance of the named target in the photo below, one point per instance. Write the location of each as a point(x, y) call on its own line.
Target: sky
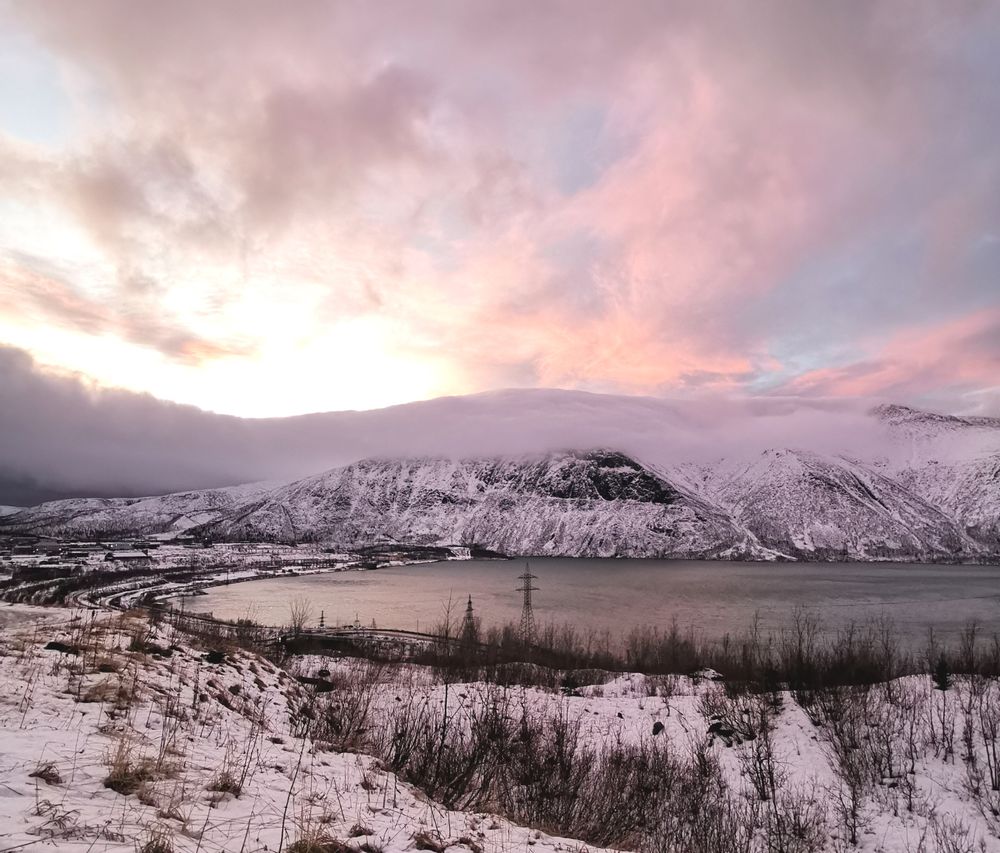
point(266, 209)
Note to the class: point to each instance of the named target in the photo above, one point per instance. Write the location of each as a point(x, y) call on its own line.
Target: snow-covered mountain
point(924, 487)
point(598, 503)
point(107, 517)
point(952, 463)
point(801, 503)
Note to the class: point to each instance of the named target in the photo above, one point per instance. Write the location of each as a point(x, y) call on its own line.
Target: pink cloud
point(961, 353)
point(395, 161)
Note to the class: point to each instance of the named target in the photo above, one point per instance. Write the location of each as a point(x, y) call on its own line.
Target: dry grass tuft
point(125, 774)
point(225, 782)
point(106, 690)
point(318, 842)
point(47, 772)
point(424, 840)
point(158, 840)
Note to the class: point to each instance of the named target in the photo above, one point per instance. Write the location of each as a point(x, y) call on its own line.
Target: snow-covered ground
point(927, 807)
point(207, 750)
point(205, 754)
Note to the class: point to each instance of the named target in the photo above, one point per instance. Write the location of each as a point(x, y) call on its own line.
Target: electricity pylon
point(468, 623)
point(527, 615)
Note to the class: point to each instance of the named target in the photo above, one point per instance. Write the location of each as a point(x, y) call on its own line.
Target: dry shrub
point(232, 776)
point(500, 756)
point(343, 714)
point(951, 835)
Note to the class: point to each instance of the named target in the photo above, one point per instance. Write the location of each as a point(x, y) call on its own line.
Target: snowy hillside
point(920, 487)
point(797, 502)
point(81, 517)
point(579, 504)
point(120, 737)
point(953, 463)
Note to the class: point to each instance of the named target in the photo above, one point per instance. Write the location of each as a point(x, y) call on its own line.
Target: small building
point(84, 547)
point(118, 546)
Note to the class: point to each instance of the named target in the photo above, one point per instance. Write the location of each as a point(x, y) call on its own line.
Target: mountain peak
point(893, 413)
point(896, 413)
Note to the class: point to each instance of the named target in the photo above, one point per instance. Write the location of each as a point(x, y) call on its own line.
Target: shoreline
point(645, 596)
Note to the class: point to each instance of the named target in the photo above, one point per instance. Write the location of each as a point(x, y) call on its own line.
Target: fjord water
point(713, 598)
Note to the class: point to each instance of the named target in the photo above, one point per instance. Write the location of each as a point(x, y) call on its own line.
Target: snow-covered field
point(115, 734)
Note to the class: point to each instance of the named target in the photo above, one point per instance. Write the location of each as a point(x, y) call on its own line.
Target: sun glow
point(352, 367)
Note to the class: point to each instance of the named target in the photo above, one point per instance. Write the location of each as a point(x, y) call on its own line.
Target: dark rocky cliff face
point(595, 475)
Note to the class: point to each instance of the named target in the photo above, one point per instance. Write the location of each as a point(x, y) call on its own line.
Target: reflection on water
point(616, 595)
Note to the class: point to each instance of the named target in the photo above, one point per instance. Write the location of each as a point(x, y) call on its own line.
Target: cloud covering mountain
point(61, 436)
point(900, 484)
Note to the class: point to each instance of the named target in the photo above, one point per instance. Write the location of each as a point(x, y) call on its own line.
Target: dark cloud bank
point(59, 437)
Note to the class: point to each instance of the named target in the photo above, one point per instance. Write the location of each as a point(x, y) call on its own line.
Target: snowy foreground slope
point(135, 738)
point(119, 736)
point(924, 487)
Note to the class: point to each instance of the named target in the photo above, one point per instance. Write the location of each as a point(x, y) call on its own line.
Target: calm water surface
point(615, 595)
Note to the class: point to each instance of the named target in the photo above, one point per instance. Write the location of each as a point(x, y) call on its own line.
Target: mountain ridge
point(934, 497)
